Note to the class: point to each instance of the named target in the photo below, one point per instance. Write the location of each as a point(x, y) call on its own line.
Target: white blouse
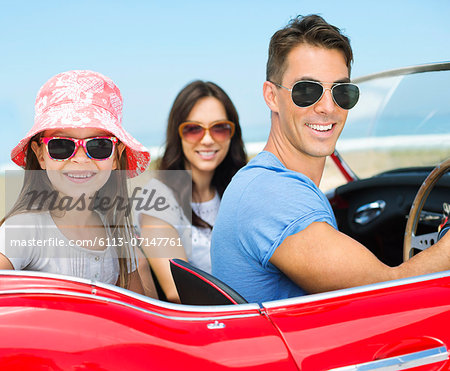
point(201, 237)
point(196, 241)
point(32, 241)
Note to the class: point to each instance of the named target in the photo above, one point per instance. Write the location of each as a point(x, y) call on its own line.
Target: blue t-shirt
point(264, 203)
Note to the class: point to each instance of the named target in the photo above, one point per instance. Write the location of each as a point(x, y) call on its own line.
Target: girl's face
point(79, 175)
point(205, 155)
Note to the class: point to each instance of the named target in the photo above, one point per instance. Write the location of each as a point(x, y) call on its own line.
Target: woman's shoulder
point(155, 193)
point(156, 199)
point(158, 187)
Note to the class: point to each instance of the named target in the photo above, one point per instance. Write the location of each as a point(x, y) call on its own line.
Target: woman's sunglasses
point(193, 131)
point(62, 148)
point(306, 93)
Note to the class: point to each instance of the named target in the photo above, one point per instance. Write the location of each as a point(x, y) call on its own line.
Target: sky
point(152, 49)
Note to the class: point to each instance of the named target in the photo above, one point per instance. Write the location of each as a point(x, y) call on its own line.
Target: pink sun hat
point(82, 99)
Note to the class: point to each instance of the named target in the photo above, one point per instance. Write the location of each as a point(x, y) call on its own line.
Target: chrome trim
point(118, 302)
point(430, 67)
point(429, 216)
point(353, 290)
point(240, 307)
point(446, 208)
point(131, 294)
point(369, 212)
point(402, 362)
point(216, 325)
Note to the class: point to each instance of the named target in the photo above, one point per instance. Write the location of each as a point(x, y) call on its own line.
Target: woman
point(204, 137)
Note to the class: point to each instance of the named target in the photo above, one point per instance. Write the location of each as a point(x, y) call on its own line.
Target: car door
point(62, 323)
point(396, 325)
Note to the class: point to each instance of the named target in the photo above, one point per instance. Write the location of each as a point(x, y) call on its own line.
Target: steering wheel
point(426, 240)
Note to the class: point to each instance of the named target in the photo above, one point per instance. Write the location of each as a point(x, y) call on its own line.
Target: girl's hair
point(117, 218)
point(174, 159)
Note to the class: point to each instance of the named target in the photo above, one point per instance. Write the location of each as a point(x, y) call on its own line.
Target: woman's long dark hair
point(174, 159)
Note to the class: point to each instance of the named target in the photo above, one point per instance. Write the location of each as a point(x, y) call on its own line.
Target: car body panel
point(357, 326)
point(64, 324)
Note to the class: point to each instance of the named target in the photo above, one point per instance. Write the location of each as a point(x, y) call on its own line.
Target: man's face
point(312, 131)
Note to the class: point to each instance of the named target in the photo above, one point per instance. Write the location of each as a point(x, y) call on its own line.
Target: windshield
point(400, 121)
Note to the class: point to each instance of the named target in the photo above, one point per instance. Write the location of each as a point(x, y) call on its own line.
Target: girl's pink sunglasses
point(96, 148)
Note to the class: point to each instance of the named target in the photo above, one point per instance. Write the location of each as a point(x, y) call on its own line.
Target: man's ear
point(270, 95)
point(120, 148)
point(39, 152)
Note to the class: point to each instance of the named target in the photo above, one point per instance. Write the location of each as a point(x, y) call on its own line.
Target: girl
point(72, 214)
point(203, 136)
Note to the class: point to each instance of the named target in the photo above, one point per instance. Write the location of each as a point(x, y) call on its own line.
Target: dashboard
point(374, 211)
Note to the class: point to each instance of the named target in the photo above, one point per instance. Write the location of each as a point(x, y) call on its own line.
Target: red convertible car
point(393, 201)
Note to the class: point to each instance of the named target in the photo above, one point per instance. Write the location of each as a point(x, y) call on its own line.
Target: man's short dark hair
point(312, 30)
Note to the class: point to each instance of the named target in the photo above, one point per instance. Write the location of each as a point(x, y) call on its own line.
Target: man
point(276, 236)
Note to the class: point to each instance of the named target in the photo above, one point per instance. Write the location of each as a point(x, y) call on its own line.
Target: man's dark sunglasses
point(305, 93)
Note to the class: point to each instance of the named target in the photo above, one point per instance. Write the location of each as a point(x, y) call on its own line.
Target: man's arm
point(320, 259)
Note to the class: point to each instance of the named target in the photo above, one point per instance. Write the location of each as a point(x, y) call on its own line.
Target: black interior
point(196, 287)
point(384, 234)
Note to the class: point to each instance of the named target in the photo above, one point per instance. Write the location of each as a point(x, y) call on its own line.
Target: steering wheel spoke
point(424, 241)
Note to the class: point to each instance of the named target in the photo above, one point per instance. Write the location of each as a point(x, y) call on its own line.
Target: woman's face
point(204, 156)
point(79, 175)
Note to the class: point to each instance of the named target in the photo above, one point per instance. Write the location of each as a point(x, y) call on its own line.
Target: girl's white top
point(196, 240)
point(32, 241)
